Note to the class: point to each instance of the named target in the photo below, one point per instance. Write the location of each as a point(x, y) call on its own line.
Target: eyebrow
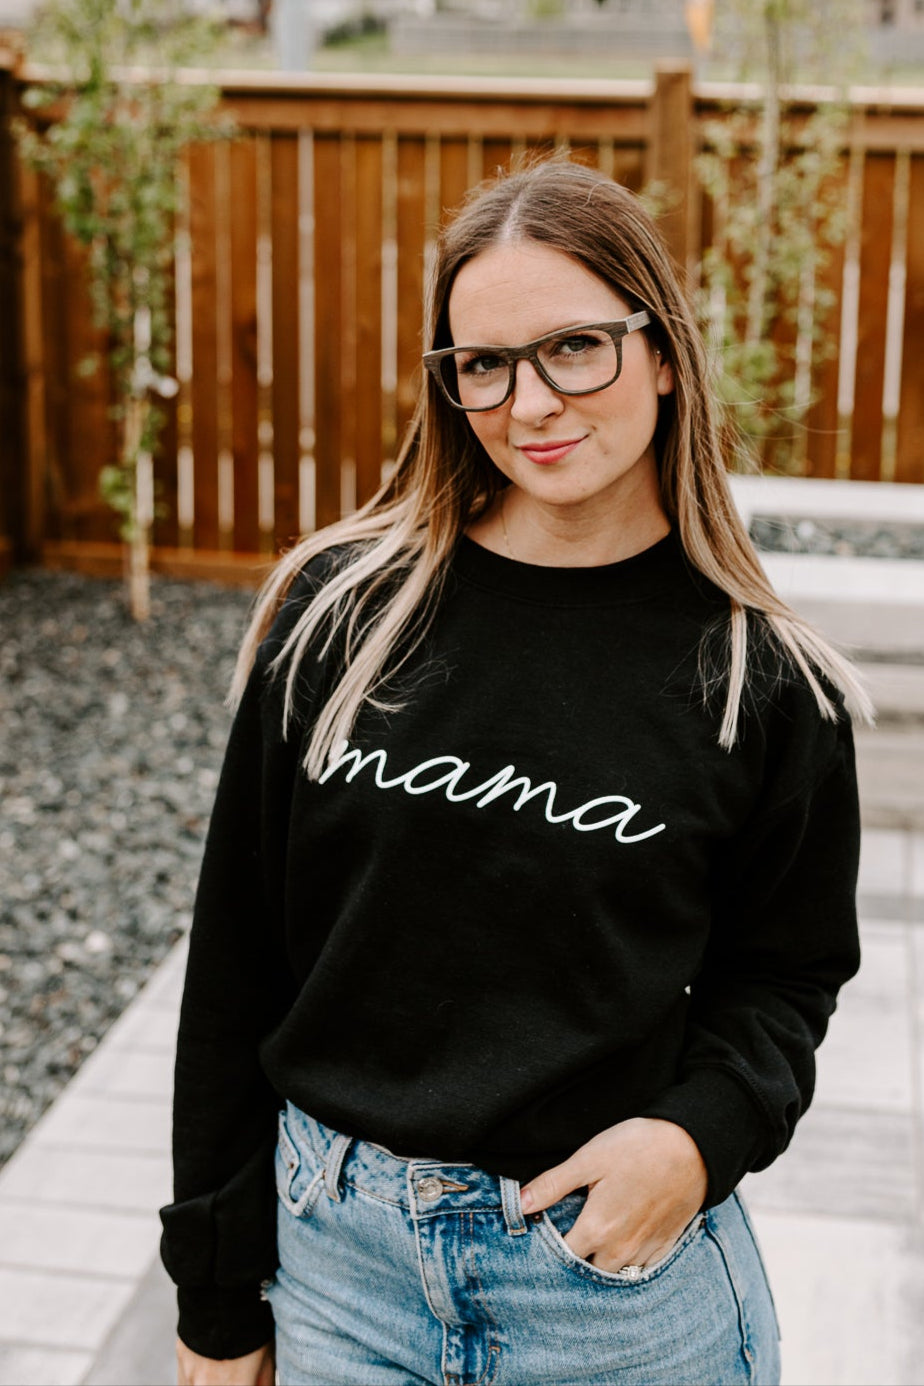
point(627, 318)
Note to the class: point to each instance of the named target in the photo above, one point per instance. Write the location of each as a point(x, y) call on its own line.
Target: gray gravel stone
point(111, 737)
point(856, 539)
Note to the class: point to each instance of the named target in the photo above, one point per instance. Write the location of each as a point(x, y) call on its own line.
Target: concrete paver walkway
point(83, 1298)
point(78, 1204)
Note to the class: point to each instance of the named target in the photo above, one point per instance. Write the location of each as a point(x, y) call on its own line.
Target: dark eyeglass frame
point(530, 352)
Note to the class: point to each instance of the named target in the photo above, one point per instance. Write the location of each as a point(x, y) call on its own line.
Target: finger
point(552, 1185)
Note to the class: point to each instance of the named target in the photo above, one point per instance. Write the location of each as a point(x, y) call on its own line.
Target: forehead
point(515, 291)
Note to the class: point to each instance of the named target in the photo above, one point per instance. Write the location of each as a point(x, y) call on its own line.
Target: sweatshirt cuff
point(223, 1323)
point(726, 1123)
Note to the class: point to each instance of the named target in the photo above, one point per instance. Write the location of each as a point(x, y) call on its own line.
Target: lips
point(547, 453)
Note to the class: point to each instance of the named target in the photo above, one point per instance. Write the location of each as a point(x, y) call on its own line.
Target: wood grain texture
point(284, 220)
point(204, 394)
point(875, 257)
point(369, 403)
point(243, 221)
point(909, 460)
point(328, 299)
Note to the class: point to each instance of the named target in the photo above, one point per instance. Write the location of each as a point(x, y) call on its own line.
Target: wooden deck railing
point(299, 278)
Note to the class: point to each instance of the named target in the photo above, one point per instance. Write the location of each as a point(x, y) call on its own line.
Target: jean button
point(429, 1188)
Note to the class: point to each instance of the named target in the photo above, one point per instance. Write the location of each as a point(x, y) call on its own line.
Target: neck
point(521, 528)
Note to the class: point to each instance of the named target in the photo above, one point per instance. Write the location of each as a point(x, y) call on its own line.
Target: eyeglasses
point(574, 361)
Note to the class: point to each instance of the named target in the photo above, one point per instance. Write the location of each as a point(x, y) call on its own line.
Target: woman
point(529, 886)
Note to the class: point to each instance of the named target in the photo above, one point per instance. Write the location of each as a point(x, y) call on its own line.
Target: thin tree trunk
point(139, 587)
point(766, 181)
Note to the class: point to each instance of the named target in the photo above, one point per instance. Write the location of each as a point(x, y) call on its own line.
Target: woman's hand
point(255, 1369)
point(646, 1181)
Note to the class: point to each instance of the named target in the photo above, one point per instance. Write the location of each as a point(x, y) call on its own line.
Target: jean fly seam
point(473, 1268)
point(493, 1346)
point(421, 1266)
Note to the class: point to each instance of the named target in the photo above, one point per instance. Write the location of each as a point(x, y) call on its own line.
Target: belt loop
point(334, 1164)
point(513, 1212)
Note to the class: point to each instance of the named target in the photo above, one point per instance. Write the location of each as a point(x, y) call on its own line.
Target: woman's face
point(581, 454)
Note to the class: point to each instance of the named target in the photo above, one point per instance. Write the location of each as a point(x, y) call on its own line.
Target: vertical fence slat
point(585, 151)
point(11, 365)
point(34, 345)
point(347, 341)
point(284, 165)
point(822, 420)
point(369, 231)
point(454, 179)
point(328, 307)
point(57, 362)
point(875, 256)
point(495, 155)
point(242, 213)
point(629, 168)
point(204, 347)
point(411, 218)
point(165, 529)
point(670, 158)
point(909, 459)
point(91, 435)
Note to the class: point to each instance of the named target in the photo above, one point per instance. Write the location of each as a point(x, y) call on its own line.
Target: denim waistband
point(424, 1187)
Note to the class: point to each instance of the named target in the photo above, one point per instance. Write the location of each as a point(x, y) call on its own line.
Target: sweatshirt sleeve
point(219, 1234)
point(784, 939)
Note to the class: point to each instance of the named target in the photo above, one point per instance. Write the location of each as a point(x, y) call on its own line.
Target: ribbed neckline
point(634, 579)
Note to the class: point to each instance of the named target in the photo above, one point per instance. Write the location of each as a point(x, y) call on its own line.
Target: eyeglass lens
point(582, 361)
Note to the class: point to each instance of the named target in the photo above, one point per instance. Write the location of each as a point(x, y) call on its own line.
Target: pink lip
point(544, 454)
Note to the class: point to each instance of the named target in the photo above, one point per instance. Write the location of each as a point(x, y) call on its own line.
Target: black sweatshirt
point(535, 900)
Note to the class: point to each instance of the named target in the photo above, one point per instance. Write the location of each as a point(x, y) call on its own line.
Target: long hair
point(381, 597)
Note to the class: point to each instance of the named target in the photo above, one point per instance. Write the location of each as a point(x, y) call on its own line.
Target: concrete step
point(890, 768)
point(871, 607)
point(897, 691)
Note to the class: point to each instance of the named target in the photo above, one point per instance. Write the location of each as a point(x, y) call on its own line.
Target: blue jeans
point(399, 1272)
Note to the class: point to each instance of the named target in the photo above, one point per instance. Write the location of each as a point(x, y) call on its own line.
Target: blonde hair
point(381, 598)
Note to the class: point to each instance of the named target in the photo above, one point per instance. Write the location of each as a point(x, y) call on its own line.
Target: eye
point(576, 344)
point(484, 363)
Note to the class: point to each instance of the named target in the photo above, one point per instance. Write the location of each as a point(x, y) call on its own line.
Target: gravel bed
point(111, 738)
point(856, 539)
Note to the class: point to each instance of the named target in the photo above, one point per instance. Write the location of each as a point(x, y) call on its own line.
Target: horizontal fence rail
point(299, 277)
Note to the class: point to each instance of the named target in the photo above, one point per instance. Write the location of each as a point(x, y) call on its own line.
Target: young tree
point(775, 177)
point(108, 132)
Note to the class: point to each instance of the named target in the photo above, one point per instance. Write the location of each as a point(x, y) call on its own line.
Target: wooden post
point(12, 544)
point(672, 147)
point(33, 462)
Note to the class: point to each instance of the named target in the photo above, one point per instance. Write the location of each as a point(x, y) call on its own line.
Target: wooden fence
point(299, 276)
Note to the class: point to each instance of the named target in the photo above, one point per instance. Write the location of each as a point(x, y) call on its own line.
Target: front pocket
point(555, 1241)
point(299, 1177)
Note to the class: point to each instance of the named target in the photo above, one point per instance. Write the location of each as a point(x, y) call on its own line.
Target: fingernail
point(526, 1201)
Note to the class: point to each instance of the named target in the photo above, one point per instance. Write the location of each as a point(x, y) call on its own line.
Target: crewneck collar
point(630, 580)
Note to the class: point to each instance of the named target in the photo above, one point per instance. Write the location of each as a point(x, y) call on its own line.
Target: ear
point(665, 376)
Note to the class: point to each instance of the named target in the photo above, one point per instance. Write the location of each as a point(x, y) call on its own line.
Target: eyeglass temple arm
point(636, 320)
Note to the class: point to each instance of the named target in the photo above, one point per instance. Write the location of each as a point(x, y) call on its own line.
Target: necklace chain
point(503, 520)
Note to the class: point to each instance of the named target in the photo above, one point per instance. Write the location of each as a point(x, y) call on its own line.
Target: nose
point(533, 399)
